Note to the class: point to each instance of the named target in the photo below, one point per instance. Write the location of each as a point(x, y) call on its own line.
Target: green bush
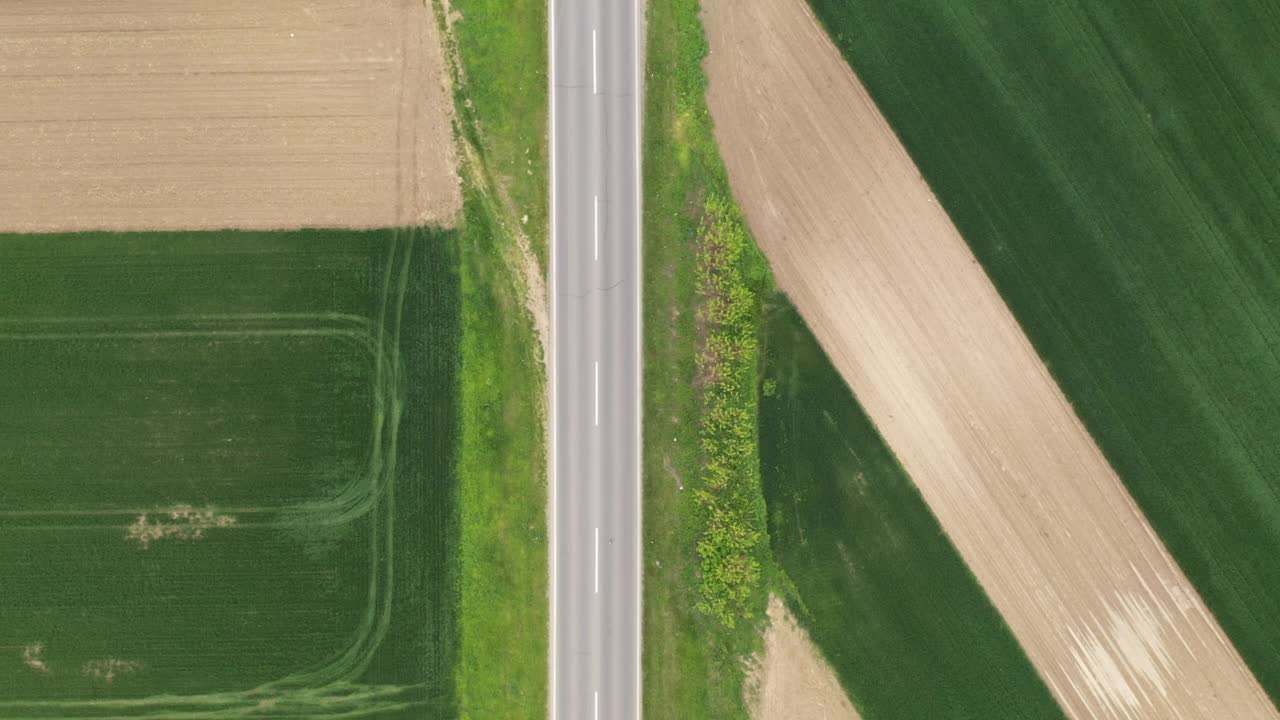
point(730, 505)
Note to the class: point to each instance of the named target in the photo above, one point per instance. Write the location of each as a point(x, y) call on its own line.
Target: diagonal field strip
point(918, 331)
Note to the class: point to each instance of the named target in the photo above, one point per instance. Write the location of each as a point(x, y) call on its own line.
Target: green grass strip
point(501, 104)
point(503, 670)
point(504, 107)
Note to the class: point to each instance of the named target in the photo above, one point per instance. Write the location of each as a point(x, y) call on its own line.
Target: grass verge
point(503, 665)
point(498, 58)
point(1113, 165)
point(692, 659)
point(503, 49)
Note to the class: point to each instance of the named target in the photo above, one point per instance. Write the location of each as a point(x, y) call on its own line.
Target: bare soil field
point(790, 678)
point(146, 115)
point(897, 299)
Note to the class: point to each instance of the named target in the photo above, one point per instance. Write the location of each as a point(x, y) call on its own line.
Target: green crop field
point(227, 474)
point(882, 591)
point(1115, 165)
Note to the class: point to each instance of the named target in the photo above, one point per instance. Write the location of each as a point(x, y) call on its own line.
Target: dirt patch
point(524, 261)
point(535, 295)
point(197, 114)
point(33, 658)
point(790, 678)
point(914, 325)
point(107, 670)
point(183, 522)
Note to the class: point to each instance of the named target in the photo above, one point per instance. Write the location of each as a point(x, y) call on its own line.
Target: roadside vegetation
point(503, 663)
point(498, 58)
point(883, 593)
point(1129, 218)
point(706, 564)
point(731, 513)
point(502, 104)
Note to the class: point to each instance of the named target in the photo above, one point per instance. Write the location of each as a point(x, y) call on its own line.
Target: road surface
point(595, 56)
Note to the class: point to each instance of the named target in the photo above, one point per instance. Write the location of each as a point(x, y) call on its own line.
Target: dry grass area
point(897, 299)
point(790, 679)
point(194, 114)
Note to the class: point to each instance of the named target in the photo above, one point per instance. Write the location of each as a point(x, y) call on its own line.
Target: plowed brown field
point(140, 114)
point(790, 678)
point(897, 299)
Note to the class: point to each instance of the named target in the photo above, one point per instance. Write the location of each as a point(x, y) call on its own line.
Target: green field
point(227, 470)
point(881, 590)
point(1116, 168)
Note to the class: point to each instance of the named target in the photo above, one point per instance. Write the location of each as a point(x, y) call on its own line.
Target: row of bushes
point(730, 274)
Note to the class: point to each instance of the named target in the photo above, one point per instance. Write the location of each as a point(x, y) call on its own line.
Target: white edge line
point(551, 273)
point(595, 704)
point(637, 94)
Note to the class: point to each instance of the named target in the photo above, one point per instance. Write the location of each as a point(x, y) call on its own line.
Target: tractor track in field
point(330, 688)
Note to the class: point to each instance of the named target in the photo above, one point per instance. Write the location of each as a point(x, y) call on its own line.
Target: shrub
point(730, 505)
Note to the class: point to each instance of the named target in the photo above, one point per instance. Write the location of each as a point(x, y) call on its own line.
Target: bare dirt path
point(917, 329)
point(790, 678)
point(198, 114)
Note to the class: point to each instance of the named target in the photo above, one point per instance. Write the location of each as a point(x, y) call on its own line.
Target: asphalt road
point(595, 358)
